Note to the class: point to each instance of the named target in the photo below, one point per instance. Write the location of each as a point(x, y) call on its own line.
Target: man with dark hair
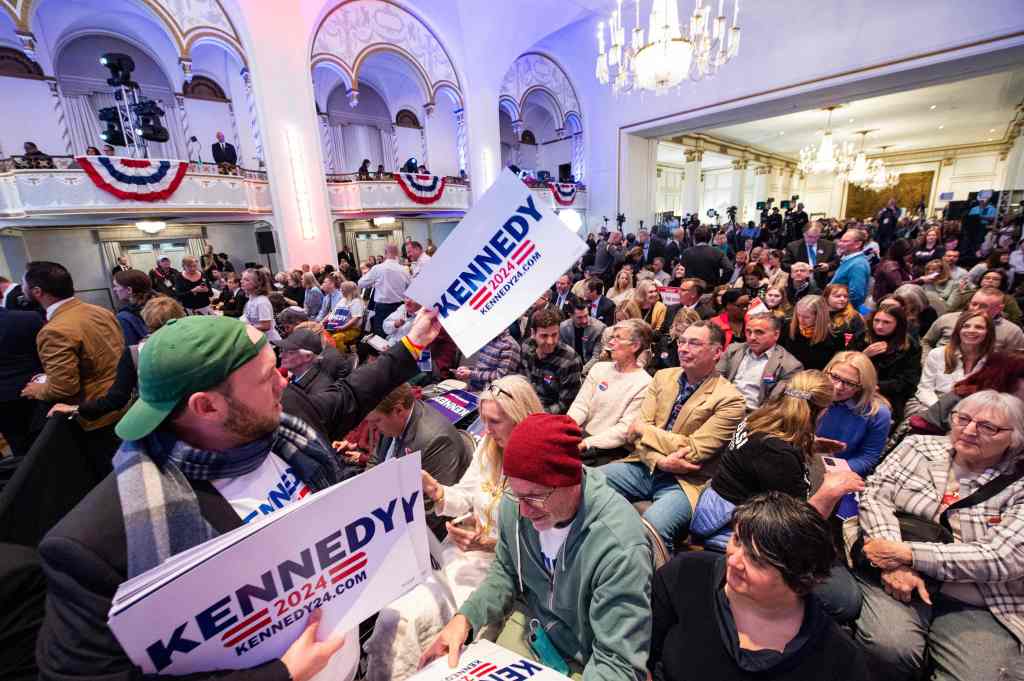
point(691, 297)
point(19, 362)
point(704, 260)
point(12, 297)
point(407, 425)
point(163, 277)
point(600, 307)
point(608, 256)
point(79, 347)
point(417, 258)
point(582, 332)
point(760, 367)
point(204, 445)
point(688, 414)
point(551, 366)
point(563, 298)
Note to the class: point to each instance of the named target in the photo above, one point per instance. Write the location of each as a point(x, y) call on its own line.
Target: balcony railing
point(55, 185)
point(350, 195)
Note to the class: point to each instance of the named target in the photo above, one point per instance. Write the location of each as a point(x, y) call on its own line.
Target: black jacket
point(225, 155)
point(796, 251)
point(605, 311)
point(304, 398)
point(164, 282)
point(899, 372)
point(85, 558)
point(234, 305)
point(17, 300)
point(19, 361)
point(707, 263)
point(812, 356)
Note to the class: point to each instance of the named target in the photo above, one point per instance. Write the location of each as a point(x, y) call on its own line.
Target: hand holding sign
point(307, 657)
point(450, 641)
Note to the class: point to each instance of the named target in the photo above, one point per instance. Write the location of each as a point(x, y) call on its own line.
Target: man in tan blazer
point(689, 413)
point(79, 346)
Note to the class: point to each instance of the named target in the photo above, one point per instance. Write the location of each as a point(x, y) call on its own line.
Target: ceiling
point(976, 110)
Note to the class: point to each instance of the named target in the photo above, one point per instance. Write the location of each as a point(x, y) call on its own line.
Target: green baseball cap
point(185, 356)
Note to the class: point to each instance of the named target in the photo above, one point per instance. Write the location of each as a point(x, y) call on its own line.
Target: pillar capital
point(186, 68)
point(763, 170)
point(353, 97)
point(429, 108)
point(694, 155)
point(740, 164)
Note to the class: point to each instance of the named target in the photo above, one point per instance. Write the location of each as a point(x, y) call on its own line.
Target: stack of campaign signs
point(486, 661)
point(242, 598)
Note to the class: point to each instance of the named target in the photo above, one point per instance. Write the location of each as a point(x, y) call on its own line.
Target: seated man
point(600, 307)
point(1009, 337)
point(800, 283)
point(582, 333)
point(499, 358)
point(308, 380)
point(689, 413)
point(552, 367)
point(408, 426)
point(573, 550)
point(206, 384)
point(563, 297)
point(760, 367)
point(398, 322)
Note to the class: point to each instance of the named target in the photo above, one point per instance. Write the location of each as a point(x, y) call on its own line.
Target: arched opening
point(216, 101)
point(358, 130)
point(407, 119)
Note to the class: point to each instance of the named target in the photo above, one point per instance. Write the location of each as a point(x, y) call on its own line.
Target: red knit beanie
point(544, 449)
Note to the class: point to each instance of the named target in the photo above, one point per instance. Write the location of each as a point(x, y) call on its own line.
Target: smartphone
point(835, 463)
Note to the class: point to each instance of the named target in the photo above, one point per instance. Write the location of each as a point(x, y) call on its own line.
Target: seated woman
point(732, 321)
point(665, 353)
point(771, 451)
point(994, 278)
point(652, 310)
point(855, 427)
point(1003, 372)
point(610, 398)
point(345, 321)
point(962, 600)
point(750, 614)
point(920, 313)
point(809, 337)
point(846, 322)
point(896, 356)
point(623, 287)
point(970, 343)
point(408, 625)
point(937, 279)
point(754, 280)
point(678, 274)
point(777, 302)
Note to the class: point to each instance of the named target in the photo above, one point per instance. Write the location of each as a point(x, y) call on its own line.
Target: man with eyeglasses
point(572, 563)
point(691, 297)
point(688, 413)
point(1009, 337)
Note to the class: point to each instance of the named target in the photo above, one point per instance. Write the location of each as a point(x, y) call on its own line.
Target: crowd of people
point(834, 419)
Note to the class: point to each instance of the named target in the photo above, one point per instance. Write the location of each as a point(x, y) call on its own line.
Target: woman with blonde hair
point(809, 337)
point(771, 451)
point(314, 297)
point(622, 290)
point(652, 310)
point(345, 321)
point(468, 553)
point(856, 426)
point(191, 287)
point(847, 323)
point(627, 310)
point(666, 355)
point(259, 311)
point(937, 279)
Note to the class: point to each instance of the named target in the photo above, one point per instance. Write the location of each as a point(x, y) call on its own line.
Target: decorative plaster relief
point(533, 70)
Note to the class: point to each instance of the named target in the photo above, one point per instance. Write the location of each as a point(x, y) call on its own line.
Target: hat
point(544, 449)
point(292, 315)
point(302, 339)
point(185, 356)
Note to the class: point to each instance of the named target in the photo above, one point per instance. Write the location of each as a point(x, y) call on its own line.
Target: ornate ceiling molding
point(536, 72)
point(356, 29)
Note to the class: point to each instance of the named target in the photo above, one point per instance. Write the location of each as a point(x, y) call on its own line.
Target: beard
point(248, 424)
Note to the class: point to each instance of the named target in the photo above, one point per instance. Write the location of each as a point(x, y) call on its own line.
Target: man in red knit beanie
point(575, 551)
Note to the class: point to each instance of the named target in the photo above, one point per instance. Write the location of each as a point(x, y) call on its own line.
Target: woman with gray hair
point(942, 563)
point(612, 393)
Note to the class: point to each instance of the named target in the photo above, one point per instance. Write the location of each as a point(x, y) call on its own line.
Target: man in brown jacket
point(79, 348)
point(687, 415)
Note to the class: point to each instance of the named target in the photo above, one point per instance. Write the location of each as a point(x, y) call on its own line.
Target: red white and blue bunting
point(133, 179)
point(422, 189)
point(564, 193)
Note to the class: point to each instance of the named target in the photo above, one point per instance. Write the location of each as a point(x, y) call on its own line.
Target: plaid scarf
point(160, 509)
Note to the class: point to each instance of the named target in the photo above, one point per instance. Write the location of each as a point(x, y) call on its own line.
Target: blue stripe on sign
point(162, 168)
point(421, 187)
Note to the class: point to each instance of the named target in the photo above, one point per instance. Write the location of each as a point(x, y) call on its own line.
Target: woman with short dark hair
point(749, 614)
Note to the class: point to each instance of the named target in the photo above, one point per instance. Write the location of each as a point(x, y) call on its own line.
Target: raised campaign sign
point(241, 599)
point(505, 252)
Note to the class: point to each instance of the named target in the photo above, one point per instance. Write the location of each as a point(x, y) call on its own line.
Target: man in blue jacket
point(854, 270)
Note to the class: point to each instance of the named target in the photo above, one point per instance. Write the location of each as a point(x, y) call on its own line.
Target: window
point(528, 137)
point(407, 119)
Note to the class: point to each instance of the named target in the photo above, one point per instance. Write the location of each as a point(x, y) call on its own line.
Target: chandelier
point(151, 226)
point(672, 52)
point(882, 178)
point(827, 157)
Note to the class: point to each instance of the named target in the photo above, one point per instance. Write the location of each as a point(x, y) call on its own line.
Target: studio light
point(411, 166)
point(572, 219)
point(149, 126)
point(121, 67)
point(113, 134)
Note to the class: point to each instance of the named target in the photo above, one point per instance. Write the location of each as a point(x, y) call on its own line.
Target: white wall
point(79, 251)
point(205, 119)
point(442, 138)
point(28, 115)
point(239, 242)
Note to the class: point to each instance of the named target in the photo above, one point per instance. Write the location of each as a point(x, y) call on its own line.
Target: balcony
point(351, 197)
point(50, 188)
point(543, 195)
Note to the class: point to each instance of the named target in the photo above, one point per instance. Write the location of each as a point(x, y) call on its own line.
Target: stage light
point(121, 67)
point(411, 166)
point(149, 126)
point(113, 133)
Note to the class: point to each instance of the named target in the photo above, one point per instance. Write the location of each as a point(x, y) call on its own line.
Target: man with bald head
point(388, 281)
point(854, 270)
point(224, 152)
point(819, 253)
point(989, 300)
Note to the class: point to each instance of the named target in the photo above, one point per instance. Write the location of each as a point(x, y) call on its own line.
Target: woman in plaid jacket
point(963, 601)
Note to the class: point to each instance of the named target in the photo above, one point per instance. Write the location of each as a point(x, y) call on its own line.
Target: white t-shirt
point(258, 309)
point(271, 486)
point(551, 543)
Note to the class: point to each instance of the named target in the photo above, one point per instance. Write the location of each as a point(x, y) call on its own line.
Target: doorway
point(143, 255)
point(370, 244)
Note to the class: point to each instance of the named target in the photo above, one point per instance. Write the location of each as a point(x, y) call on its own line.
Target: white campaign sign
point(242, 598)
point(506, 252)
point(486, 661)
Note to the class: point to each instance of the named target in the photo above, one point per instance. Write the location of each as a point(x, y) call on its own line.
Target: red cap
point(544, 449)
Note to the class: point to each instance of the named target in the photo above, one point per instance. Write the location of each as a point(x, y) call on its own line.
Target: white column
point(391, 148)
point(483, 136)
point(693, 184)
point(517, 131)
point(236, 134)
point(460, 139)
point(253, 122)
point(736, 188)
point(327, 144)
point(58, 106)
point(760, 187)
point(638, 199)
point(283, 94)
point(578, 159)
point(183, 119)
point(428, 113)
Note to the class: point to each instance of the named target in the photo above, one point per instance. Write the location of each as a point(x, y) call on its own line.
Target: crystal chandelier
point(672, 52)
point(873, 174)
point(882, 178)
point(827, 157)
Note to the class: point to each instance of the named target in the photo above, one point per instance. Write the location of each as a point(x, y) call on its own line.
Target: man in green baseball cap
point(204, 446)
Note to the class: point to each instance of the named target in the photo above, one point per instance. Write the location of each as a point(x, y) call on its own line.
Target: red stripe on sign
point(303, 492)
point(479, 294)
point(519, 250)
point(245, 623)
point(247, 633)
point(354, 558)
point(348, 573)
point(525, 255)
point(486, 668)
point(481, 302)
point(134, 163)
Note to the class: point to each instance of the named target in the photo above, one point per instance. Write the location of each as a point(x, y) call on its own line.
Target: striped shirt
point(498, 358)
point(990, 551)
point(556, 378)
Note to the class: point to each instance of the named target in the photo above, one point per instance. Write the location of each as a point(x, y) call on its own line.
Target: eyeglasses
point(985, 428)
point(692, 343)
point(537, 501)
point(494, 388)
point(846, 383)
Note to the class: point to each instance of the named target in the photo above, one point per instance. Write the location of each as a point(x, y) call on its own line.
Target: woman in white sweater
point(612, 393)
point(969, 346)
point(408, 625)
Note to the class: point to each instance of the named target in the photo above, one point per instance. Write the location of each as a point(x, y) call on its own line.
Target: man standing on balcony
point(224, 152)
point(389, 281)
